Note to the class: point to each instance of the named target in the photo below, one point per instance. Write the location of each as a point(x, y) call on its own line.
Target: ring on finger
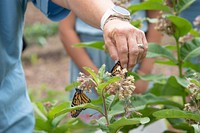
point(140, 45)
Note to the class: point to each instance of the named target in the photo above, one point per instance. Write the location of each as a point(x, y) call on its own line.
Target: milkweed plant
point(174, 98)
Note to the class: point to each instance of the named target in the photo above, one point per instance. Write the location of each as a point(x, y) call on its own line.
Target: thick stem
point(180, 67)
point(105, 108)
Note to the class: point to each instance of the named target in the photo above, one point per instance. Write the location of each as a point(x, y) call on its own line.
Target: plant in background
point(115, 89)
point(180, 55)
point(194, 98)
point(111, 87)
point(38, 32)
point(161, 99)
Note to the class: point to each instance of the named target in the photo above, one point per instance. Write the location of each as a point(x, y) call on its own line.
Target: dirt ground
point(51, 68)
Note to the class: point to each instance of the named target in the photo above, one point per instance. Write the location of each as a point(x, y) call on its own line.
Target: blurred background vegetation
point(45, 61)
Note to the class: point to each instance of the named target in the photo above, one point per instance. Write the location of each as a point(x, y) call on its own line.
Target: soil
point(51, 66)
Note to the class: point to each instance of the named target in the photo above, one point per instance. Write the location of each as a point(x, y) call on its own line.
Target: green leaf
point(184, 126)
point(57, 120)
point(157, 89)
point(139, 102)
point(117, 125)
point(195, 32)
point(174, 113)
point(97, 101)
point(153, 77)
point(103, 124)
point(58, 108)
point(109, 101)
point(101, 71)
point(75, 125)
point(150, 99)
point(171, 47)
point(149, 5)
point(190, 49)
point(168, 62)
point(72, 86)
point(40, 110)
point(188, 64)
point(137, 23)
point(156, 50)
point(183, 4)
point(101, 86)
point(43, 125)
point(175, 86)
point(183, 26)
point(87, 105)
point(98, 45)
point(92, 73)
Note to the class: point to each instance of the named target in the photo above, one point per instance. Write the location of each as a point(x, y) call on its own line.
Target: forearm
point(152, 34)
point(120, 37)
point(83, 9)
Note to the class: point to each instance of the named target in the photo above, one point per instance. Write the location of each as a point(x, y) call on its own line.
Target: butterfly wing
point(116, 68)
point(78, 99)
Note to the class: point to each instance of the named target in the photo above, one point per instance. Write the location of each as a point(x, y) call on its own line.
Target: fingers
point(122, 48)
point(145, 46)
point(111, 48)
point(140, 45)
point(133, 52)
point(122, 39)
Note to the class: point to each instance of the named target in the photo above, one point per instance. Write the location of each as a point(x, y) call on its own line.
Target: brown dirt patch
point(51, 65)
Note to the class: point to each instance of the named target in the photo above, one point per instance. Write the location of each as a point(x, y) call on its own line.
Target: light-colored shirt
point(16, 114)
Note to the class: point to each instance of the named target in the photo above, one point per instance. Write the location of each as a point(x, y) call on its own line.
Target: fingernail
point(116, 61)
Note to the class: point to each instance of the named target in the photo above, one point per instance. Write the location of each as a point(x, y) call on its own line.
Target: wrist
point(115, 12)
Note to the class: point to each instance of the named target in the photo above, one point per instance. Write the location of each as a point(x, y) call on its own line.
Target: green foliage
point(190, 49)
point(38, 32)
point(48, 120)
point(149, 5)
point(182, 26)
point(156, 50)
point(97, 45)
point(174, 113)
point(182, 5)
point(165, 99)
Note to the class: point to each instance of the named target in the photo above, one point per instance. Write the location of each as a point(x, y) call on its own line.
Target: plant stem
point(180, 67)
point(105, 108)
point(180, 64)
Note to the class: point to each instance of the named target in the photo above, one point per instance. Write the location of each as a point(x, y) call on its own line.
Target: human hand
point(124, 42)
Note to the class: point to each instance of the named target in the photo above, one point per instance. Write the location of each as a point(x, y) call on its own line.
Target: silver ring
point(140, 45)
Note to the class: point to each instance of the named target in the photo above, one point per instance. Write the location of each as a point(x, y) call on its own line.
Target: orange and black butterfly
point(116, 69)
point(78, 99)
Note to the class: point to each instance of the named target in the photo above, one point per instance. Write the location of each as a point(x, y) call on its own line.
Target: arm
point(147, 64)
point(69, 37)
point(121, 38)
point(87, 9)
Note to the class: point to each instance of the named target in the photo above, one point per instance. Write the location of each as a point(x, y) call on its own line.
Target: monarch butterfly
point(78, 99)
point(117, 68)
